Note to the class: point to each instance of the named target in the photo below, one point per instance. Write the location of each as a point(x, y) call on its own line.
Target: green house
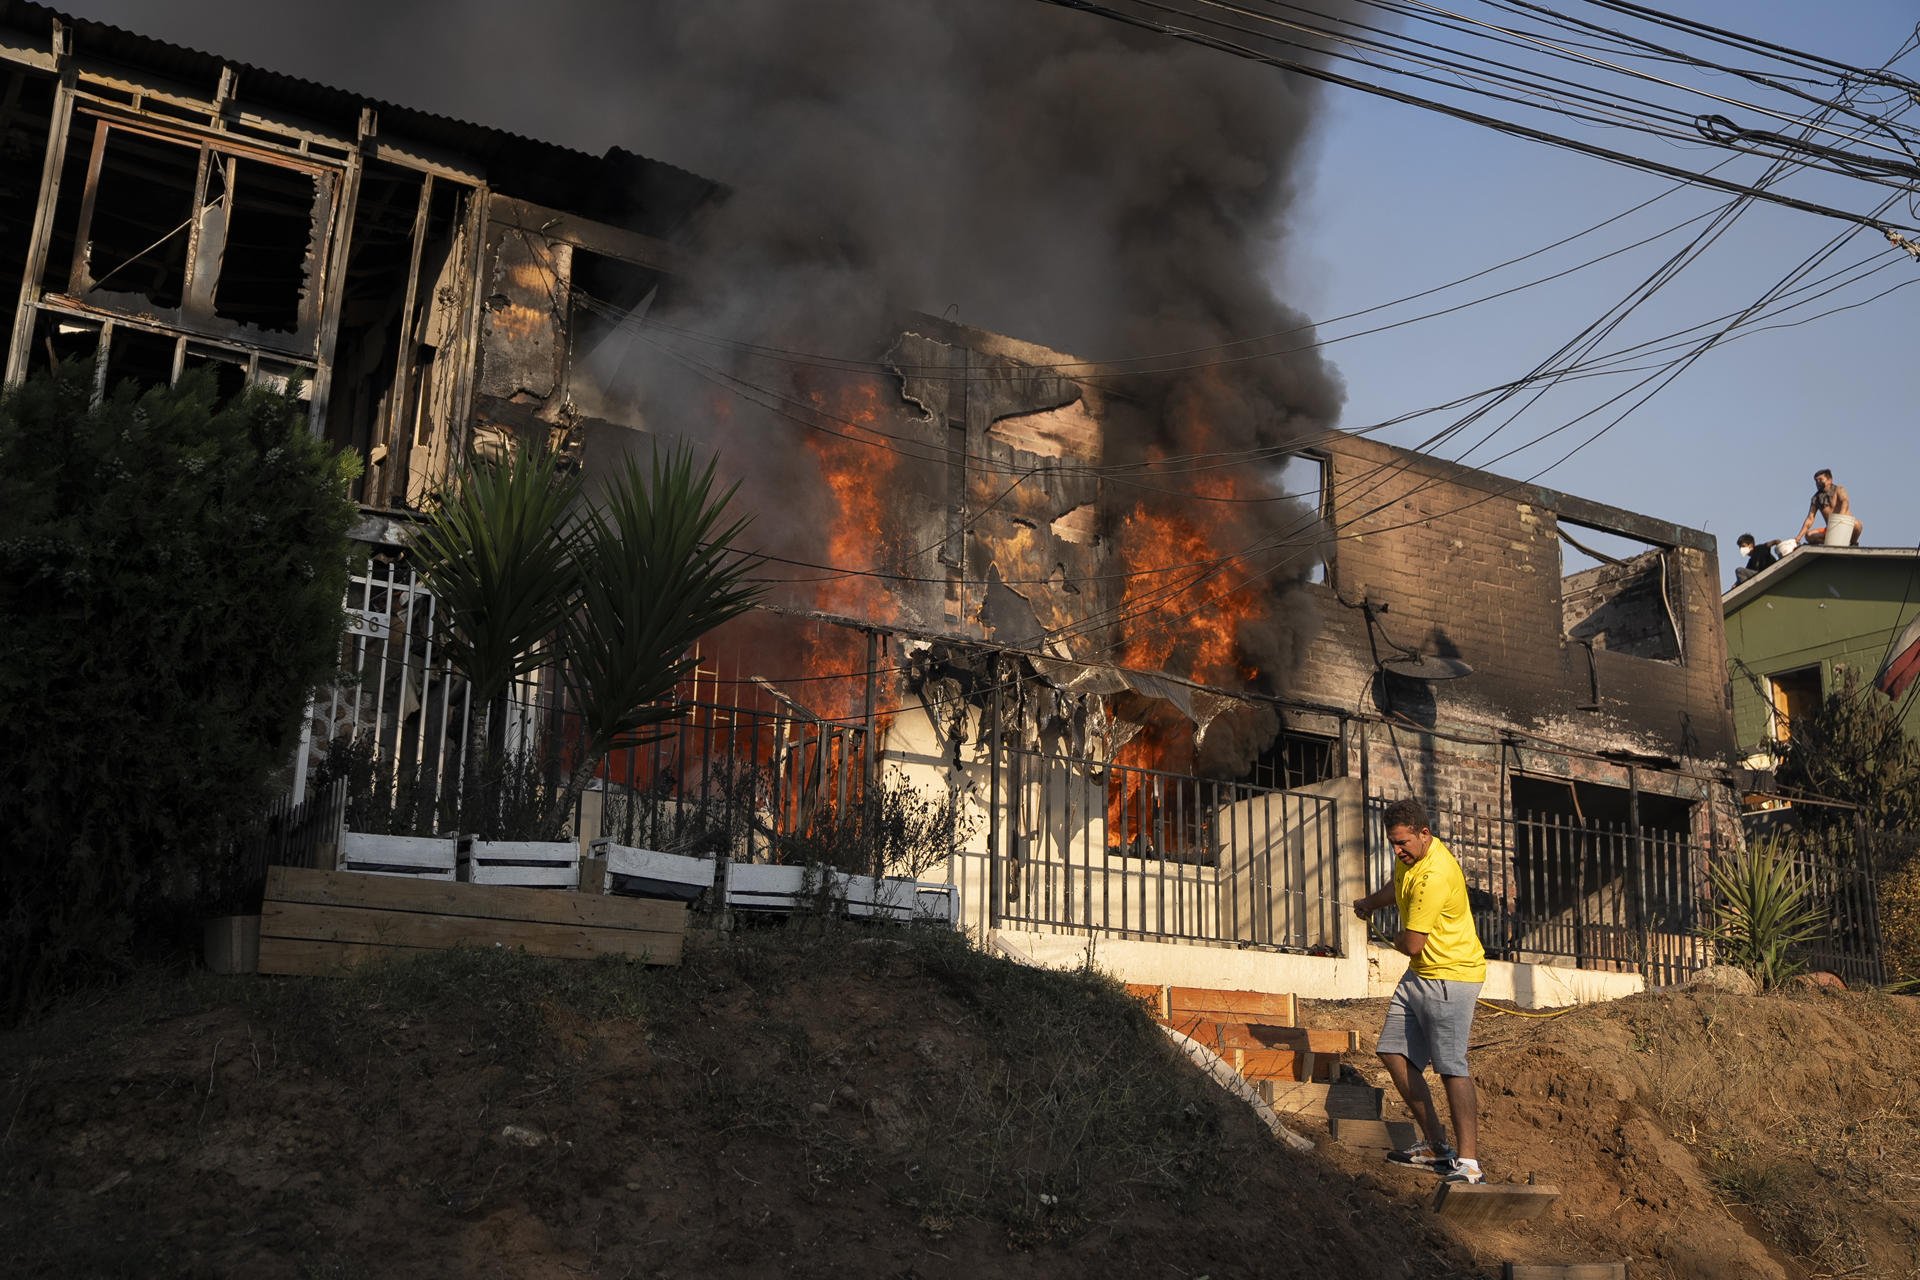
point(1798, 629)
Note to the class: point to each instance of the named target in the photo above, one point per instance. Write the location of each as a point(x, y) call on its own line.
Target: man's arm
point(1411, 944)
point(1806, 526)
point(1381, 897)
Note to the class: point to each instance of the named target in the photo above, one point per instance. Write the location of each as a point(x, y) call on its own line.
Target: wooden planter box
point(753, 887)
point(935, 903)
point(316, 922)
point(646, 873)
point(426, 857)
point(528, 864)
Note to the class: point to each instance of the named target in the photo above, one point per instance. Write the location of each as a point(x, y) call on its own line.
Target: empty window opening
point(391, 397)
point(1297, 760)
point(189, 232)
point(139, 357)
point(609, 301)
point(58, 338)
point(1792, 694)
point(137, 218)
point(1306, 477)
point(1616, 593)
point(228, 369)
point(272, 219)
point(1584, 882)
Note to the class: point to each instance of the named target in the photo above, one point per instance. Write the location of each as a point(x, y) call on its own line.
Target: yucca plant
point(657, 569)
point(497, 551)
point(1763, 915)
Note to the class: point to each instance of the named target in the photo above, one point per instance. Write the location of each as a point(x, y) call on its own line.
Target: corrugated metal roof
point(513, 163)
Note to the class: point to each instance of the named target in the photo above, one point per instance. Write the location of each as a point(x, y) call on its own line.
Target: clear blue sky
point(1402, 200)
point(1395, 200)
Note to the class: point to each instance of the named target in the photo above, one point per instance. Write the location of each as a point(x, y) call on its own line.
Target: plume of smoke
point(1040, 172)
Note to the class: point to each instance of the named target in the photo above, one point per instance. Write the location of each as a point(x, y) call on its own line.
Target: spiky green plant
point(1763, 914)
point(657, 569)
point(496, 550)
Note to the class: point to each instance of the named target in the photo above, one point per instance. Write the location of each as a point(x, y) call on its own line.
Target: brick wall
point(1467, 565)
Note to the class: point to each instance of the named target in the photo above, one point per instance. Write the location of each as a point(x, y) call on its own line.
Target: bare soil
point(1696, 1134)
point(847, 1104)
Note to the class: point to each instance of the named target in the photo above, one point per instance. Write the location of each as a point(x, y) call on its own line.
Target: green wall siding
point(1833, 612)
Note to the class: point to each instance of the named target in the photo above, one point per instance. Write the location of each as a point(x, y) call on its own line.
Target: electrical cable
point(1098, 9)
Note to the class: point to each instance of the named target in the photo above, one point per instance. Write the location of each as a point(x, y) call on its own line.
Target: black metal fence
point(1550, 888)
point(1834, 857)
point(1594, 895)
point(1131, 852)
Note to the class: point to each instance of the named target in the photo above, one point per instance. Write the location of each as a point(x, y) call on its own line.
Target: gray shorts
point(1429, 1021)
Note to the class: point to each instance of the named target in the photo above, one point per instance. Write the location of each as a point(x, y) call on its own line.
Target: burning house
point(1152, 634)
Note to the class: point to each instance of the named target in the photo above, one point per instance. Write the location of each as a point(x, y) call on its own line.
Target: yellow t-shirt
point(1432, 897)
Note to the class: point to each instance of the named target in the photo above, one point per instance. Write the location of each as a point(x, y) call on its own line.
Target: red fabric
point(1904, 666)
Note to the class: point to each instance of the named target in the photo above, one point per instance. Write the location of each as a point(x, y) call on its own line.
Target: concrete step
point(1490, 1202)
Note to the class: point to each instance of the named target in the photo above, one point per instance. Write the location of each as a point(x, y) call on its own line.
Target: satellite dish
point(1425, 666)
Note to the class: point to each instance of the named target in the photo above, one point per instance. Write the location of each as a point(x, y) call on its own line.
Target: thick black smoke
point(1041, 172)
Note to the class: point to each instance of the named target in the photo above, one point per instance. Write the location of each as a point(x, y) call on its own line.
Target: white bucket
point(1840, 531)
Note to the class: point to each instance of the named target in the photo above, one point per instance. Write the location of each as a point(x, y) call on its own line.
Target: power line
point(1625, 159)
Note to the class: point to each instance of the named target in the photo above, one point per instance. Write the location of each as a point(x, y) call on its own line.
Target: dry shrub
point(1900, 922)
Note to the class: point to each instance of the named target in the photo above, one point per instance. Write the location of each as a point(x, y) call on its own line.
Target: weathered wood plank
point(1217, 1035)
point(1268, 1006)
point(1267, 1064)
point(1374, 1135)
point(325, 923)
point(1341, 1101)
point(1471, 1202)
point(307, 958)
point(494, 902)
point(1565, 1271)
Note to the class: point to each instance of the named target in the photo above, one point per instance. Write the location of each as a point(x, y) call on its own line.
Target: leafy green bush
point(1763, 914)
point(170, 583)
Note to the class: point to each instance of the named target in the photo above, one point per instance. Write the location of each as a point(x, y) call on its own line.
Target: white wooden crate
point(424, 857)
point(752, 886)
point(528, 864)
point(648, 873)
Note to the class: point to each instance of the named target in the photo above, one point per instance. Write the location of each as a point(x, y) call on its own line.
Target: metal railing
point(1114, 849)
point(1550, 888)
point(1835, 858)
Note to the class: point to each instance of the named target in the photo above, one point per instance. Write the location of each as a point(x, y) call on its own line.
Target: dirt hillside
point(849, 1105)
point(1697, 1134)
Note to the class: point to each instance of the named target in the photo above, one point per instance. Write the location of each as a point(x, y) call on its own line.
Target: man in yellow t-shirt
point(1430, 1017)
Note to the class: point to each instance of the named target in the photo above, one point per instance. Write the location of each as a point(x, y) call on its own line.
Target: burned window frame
point(1670, 586)
point(198, 311)
point(1322, 573)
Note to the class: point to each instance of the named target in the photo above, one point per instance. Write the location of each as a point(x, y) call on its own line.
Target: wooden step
point(1472, 1202)
point(1266, 1064)
point(1564, 1271)
point(1374, 1135)
point(1327, 1101)
point(1217, 1035)
point(1264, 1006)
